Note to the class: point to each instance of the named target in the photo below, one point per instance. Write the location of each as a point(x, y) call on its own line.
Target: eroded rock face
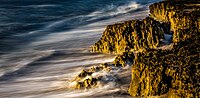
point(181, 14)
point(148, 75)
point(132, 35)
point(175, 71)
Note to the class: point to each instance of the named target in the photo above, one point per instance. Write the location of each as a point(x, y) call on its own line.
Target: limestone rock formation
point(148, 78)
point(132, 35)
point(181, 14)
point(159, 72)
point(175, 71)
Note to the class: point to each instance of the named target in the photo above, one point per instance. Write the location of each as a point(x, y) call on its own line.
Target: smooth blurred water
point(44, 43)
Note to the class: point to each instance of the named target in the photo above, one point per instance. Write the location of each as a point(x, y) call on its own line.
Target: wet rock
point(154, 72)
point(132, 35)
point(86, 78)
point(87, 83)
point(82, 75)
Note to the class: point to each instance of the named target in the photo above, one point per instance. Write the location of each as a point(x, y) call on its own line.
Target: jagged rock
point(183, 24)
point(175, 71)
point(155, 72)
point(185, 80)
point(148, 75)
point(124, 59)
point(82, 75)
point(181, 14)
point(87, 83)
point(86, 79)
point(131, 35)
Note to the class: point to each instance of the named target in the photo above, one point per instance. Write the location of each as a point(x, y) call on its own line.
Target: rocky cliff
point(133, 35)
point(181, 14)
point(175, 71)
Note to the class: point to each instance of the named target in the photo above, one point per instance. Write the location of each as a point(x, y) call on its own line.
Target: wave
point(40, 6)
point(95, 16)
point(109, 88)
point(114, 10)
point(109, 82)
point(12, 63)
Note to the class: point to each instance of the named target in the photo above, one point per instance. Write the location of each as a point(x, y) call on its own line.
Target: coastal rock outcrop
point(148, 75)
point(181, 14)
point(100, 74)
point(132, 35)
point(173, 72)
point(88, 78)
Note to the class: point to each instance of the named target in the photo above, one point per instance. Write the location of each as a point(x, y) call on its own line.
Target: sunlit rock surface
point(133, 35)
point(181, 14)
point(173, 72)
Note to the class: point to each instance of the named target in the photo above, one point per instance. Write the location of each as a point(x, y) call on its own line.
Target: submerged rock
point(92, 77)
point(86, 83)
point(131, 35)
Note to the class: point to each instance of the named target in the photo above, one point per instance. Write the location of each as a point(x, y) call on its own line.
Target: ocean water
point(45, 43)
